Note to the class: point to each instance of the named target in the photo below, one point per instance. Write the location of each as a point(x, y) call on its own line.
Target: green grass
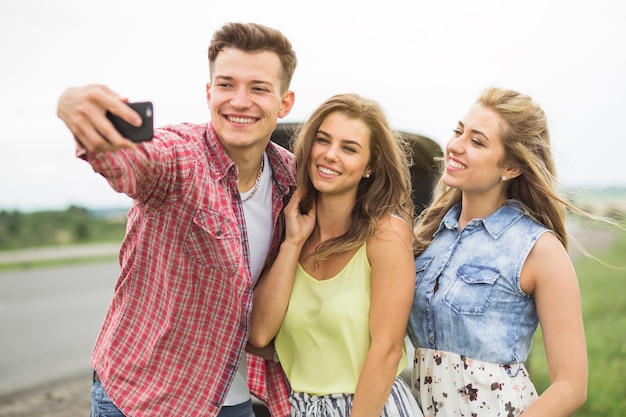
point(603, 292)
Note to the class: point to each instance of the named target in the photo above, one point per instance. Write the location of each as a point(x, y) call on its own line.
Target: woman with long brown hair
point(338, 296)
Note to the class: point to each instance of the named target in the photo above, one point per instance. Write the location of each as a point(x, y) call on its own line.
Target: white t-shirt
point(258, 214)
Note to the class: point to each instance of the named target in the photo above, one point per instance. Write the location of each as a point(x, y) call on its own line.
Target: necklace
point(256, 183)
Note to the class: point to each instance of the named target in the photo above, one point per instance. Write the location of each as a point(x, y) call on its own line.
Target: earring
point(503, 179)
point(366, 176)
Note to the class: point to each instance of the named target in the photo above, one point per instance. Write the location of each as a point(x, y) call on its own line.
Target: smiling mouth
point(328, 171)
point(456, 165)
point(241, 120)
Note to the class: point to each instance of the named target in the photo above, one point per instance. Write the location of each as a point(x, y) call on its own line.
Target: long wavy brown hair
point(386, 192)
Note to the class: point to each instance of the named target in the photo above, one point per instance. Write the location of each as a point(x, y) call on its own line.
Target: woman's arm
point(266, 352)
point(549, 276)
point(273, 290)
point(393, 280)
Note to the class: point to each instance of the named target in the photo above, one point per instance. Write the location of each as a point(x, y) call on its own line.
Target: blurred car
point(425, 152)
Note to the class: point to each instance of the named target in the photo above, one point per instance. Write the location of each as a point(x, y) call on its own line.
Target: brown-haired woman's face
point(340, 155)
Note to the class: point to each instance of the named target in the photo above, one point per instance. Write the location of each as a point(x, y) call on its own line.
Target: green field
point(603, 291)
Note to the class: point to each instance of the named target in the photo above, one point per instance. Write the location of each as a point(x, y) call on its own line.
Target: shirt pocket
point(472, 290)
point(213, 240)
point(421, 265)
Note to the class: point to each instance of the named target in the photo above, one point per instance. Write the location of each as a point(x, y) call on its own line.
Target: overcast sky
point(425, 63)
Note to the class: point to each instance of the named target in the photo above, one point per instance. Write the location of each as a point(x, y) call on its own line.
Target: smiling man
point(207, 201)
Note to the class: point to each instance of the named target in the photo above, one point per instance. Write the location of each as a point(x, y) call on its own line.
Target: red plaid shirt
point(179, 319)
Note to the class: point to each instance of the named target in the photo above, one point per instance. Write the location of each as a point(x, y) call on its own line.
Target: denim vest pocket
point(472, 290)
point(213, 241)
point(421, 265)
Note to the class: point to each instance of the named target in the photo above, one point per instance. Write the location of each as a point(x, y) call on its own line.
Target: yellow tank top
point(324, 338)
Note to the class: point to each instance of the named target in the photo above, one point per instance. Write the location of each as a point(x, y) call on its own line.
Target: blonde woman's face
point(474, 153)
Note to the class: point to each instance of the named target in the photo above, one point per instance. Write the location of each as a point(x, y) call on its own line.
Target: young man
point(207, 200)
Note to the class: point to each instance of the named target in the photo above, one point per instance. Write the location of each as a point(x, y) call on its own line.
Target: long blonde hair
point(526, 140)
point(386, 192)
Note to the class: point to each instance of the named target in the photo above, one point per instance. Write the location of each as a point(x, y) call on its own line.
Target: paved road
point(49, 319)
point(61, 252)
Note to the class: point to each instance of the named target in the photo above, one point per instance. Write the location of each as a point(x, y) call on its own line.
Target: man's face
point(245, 99)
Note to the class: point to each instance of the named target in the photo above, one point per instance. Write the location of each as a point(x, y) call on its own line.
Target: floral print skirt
point(448, 384)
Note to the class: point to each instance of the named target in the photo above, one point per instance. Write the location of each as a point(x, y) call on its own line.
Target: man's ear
point(286, 104)
point(208, 94)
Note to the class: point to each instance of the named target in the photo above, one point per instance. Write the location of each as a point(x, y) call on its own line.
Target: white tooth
point(241, 120)
point(328, 171)
point(455, 164)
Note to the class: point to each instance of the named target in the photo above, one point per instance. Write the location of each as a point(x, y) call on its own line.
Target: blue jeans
point(101, 404)
point(239, 410)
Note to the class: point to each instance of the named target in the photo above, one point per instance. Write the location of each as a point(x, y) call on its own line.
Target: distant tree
point(10, 227)
point(45, 228)
point(81, 231)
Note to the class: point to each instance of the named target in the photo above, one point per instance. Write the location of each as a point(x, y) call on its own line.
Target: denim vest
point(479, 309)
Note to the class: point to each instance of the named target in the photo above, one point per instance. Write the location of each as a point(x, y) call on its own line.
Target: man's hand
point(83, 110)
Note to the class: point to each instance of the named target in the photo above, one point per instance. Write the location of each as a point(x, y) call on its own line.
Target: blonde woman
point(491, 265)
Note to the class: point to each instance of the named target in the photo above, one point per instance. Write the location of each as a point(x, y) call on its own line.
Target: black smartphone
point(136, 133)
